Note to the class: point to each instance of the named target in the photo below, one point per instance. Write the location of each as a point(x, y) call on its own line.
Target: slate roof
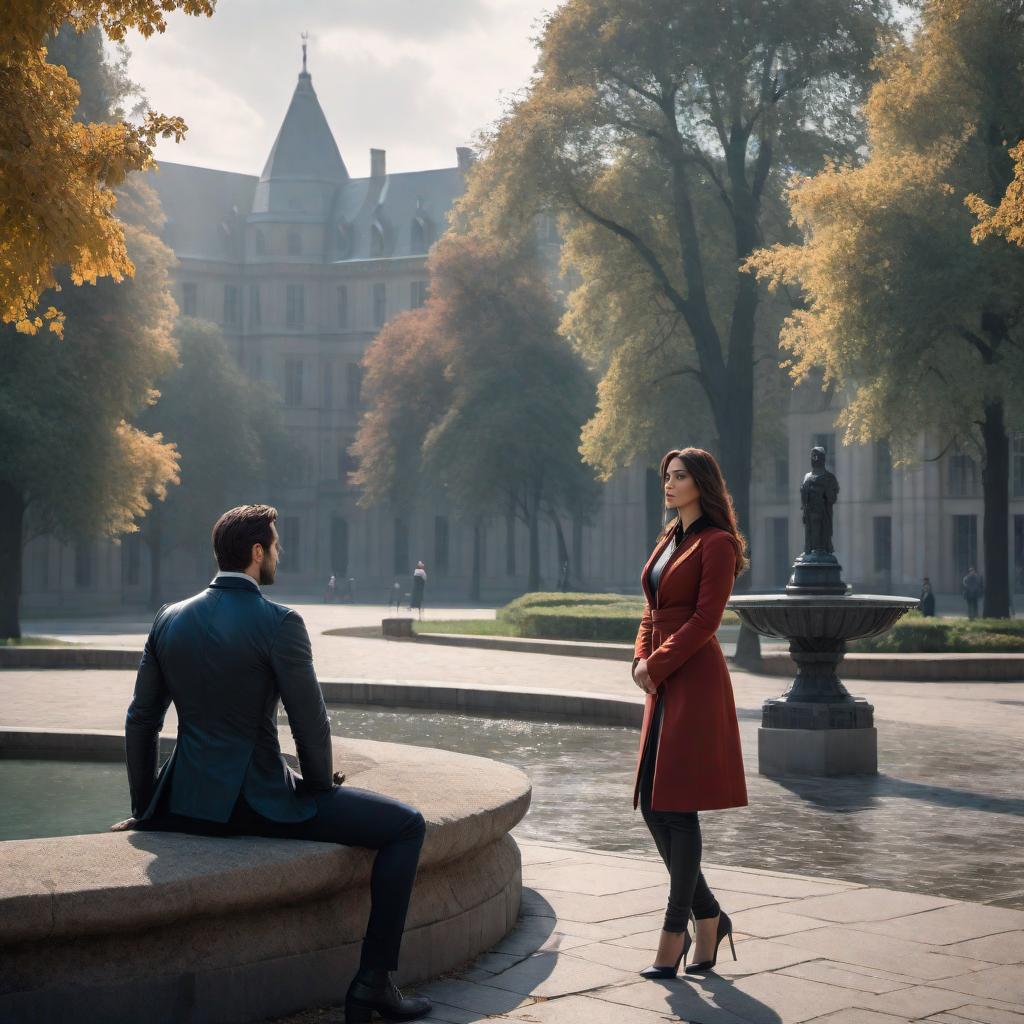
point(305, 180)
point(205, 209)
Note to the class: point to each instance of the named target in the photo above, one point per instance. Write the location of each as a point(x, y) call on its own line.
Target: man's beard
point(266, 575)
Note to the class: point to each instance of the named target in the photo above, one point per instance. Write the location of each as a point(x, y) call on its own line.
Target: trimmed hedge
point(600, 618)
point(915, 634)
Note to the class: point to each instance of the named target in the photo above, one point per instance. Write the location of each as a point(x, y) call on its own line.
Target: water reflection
point(945, 817)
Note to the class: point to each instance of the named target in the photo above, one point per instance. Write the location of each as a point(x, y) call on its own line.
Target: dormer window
point(294, 242)
point(377, 240)
point(421, 234)
point(344, 240)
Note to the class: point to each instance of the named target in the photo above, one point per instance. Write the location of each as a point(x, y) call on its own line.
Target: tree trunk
point(736, 444)
point(12, 520)
point(654, 506)
point(995, 482)
point(154, 540)
point(533, 579)
point(563, 550)
point(478, 543)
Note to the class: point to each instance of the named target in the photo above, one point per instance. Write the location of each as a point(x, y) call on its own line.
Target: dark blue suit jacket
point(226, 657)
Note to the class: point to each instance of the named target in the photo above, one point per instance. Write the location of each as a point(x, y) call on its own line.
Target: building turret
point(304, 168)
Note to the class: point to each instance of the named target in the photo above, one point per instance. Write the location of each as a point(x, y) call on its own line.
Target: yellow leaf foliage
point(1006, 219)
point(57, 175)
point(902, 309)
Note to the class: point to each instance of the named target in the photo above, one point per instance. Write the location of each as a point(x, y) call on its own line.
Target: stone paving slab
point(978, 1015)
point(866, 904)
point(951, 924)
point(828, 972)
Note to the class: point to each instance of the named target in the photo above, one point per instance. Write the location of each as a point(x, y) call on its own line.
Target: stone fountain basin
point(162, 927)
point(821, 617)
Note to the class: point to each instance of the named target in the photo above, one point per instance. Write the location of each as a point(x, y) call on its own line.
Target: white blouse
point(659, 567)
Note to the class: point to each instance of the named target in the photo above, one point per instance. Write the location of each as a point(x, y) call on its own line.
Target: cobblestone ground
point(945, 816)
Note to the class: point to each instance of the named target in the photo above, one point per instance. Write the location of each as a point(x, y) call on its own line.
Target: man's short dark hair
point(237, 530)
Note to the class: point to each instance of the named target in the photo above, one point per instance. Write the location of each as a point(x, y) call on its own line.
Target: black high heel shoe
point(373, 991)
point(669, 972)
point(724, 929)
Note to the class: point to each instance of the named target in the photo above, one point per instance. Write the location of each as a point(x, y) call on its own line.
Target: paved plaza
point(878, 900)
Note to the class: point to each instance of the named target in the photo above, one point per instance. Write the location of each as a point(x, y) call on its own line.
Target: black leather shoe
point(724, 931)
point(656, 973)
point(373, 991)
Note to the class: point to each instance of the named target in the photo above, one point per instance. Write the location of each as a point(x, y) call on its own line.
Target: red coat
point(699, 764)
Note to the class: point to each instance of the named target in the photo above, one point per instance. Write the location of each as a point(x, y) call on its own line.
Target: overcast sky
point(412, 77)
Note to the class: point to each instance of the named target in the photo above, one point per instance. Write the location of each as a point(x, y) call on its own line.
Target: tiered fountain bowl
point(817, 727)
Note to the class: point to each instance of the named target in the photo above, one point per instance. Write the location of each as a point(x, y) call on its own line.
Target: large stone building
point(303, 264)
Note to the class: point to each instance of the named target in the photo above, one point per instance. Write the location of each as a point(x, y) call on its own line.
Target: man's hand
point(642, 678)
point(123, 826)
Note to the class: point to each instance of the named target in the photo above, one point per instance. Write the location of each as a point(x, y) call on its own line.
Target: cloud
point(412, 78)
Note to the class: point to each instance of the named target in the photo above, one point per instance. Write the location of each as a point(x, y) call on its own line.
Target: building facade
point(303, 264)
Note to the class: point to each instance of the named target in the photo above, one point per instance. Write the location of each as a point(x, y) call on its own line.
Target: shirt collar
point(700, 523)
point(241, 575)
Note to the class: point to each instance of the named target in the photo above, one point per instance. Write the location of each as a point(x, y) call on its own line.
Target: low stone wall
point(172, 928)
point(69, 657)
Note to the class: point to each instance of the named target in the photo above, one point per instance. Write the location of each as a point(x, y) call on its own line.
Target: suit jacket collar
point(234, 581)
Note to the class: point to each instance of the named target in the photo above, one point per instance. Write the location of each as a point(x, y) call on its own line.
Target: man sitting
point(226, 657)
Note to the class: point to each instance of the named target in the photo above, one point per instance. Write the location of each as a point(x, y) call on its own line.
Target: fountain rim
point(781, 600)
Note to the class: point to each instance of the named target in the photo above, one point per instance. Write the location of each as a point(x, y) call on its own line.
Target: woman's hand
point(123, 826)
point(642, 678)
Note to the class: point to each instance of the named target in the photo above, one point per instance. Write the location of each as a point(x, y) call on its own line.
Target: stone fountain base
point(817, 752)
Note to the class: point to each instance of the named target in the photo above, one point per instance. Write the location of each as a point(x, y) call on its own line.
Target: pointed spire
point(305, 149)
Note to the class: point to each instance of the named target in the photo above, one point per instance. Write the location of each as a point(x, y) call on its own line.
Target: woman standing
point(690, 758)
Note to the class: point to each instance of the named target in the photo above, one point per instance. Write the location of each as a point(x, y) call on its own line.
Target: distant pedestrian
point(563, 576)
point(973, 588)
point(350, 590)
point(396, 595)
point(419, 584)
point(927, 599)
point(332, 589)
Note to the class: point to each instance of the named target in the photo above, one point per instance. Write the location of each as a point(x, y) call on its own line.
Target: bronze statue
point(818, 494)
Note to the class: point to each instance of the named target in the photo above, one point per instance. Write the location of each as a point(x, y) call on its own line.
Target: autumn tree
point(73, 460)
point(919, 322)
point(59, 172)
point(662, 129)
point(206, 397)
point(477, 398)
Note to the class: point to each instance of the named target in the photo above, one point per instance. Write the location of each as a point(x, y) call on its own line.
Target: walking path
point(808, 950)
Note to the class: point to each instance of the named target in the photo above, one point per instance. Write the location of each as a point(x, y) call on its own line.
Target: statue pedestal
point(816, 572)
point(817, 752)
point(817, 738)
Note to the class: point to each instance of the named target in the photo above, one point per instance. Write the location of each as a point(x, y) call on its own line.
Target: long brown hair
point(715, 499)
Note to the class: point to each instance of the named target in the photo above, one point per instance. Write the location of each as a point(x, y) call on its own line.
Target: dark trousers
point(349, 817)
point(677, 836)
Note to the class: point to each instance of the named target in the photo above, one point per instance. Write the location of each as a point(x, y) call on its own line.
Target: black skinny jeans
point(677, 836)
point(349, 817)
